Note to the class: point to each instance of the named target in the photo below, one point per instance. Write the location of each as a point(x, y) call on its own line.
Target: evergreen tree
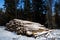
point(57, 16)
point(11, 8)
point(38, 9)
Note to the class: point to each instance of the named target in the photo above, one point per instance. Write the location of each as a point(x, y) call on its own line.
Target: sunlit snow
point(6, 35)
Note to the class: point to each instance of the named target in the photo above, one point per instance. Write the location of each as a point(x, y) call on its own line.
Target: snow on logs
point(26, 27)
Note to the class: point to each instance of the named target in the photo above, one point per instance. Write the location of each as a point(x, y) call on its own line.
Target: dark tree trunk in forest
point(57, 16)
point(27, 10)
point(38, 9)
point(49, 14)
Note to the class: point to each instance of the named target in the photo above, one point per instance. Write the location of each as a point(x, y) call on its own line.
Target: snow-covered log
point(26, 27)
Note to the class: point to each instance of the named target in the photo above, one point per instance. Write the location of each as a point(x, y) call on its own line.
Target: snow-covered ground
point(6, 35)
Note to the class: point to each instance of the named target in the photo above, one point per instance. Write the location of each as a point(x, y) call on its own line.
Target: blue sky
point(1, 3)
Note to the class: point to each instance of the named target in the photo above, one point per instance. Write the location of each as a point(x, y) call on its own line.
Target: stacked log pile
point(15, 26)
point(25, 27)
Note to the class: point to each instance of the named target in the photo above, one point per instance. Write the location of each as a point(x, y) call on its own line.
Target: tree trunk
point(49, 14)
